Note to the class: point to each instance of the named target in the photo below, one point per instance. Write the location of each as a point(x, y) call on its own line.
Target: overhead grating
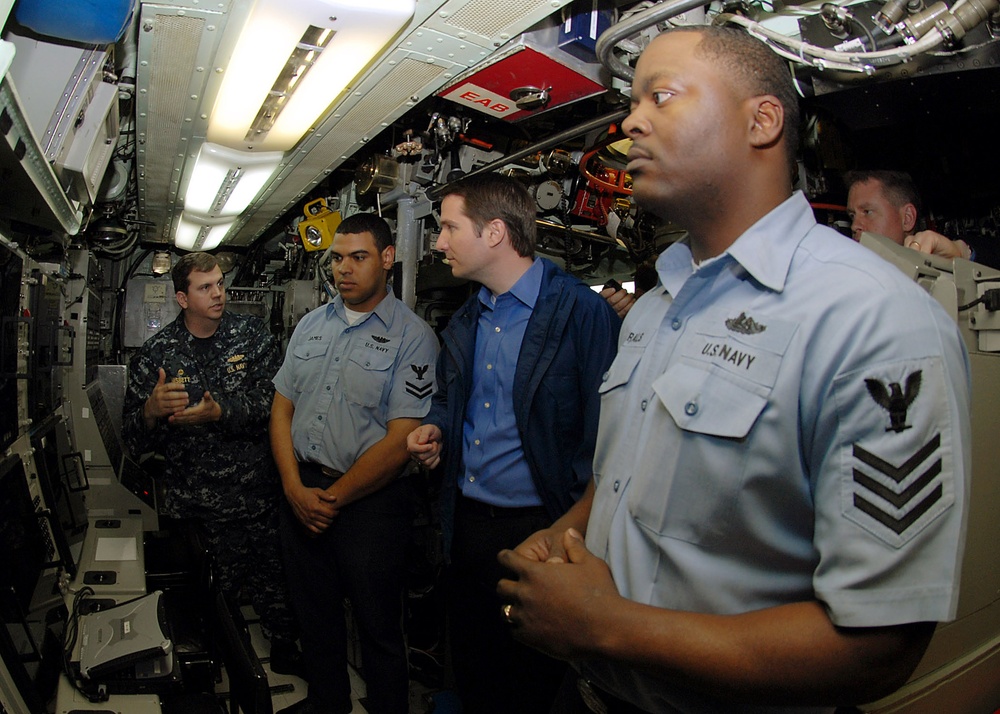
point(174, 46)
point(491, 18)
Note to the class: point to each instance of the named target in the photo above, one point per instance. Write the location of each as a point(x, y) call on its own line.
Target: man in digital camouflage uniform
point(199, 392)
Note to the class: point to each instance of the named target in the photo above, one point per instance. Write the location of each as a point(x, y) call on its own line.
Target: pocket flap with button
point(310, 376)
point(621, 369)
point(365, 378)
point(372, 360)
point(709, 401)
point(311, 349)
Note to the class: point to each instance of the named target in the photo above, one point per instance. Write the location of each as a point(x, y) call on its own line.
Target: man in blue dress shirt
point(782, 465)
point(514, 421)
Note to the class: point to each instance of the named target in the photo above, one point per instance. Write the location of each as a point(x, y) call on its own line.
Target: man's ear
point(908, 214)
point(388, 257)
point(767, 121)
point(494, 232)
point(182, 299)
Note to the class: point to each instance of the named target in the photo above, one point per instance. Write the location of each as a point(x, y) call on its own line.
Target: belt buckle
point(590, 697)
point(330, 472)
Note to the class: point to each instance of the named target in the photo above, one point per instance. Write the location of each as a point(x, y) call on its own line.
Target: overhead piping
point(634, 24)
point(559, 138)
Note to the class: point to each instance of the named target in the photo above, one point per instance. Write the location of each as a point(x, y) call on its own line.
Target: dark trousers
point(362, 557)
point(570, 699)
point(247, 556)
point(493, 672)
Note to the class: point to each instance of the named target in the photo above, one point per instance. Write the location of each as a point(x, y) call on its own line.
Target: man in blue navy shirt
point(782, 464)
point(354, 383)
point(514, 421)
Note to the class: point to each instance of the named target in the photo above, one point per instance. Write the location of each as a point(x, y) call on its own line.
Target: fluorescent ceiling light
point(196, 233)
point(292, 59)
point(224, 181)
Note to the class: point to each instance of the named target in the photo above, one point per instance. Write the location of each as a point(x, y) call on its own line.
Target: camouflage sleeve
point(246, 408)
point(142, 376)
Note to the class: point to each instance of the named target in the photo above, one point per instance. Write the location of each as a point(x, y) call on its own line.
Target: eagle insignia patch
point(419, 390)
point(895, 399)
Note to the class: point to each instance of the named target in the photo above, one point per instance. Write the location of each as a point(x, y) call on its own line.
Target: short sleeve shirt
point(788, 423)
point(347, 382)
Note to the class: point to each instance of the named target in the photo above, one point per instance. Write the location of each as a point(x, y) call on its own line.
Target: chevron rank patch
point(419, 384)
point(897, 472)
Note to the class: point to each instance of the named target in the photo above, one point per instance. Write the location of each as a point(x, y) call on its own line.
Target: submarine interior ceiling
point(532, 87)
point(441, 40)
point(249, 128)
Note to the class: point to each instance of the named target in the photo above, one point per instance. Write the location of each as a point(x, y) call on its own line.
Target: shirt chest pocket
point(367, 375)
point(702, 402)
point(711, 421)
point(620, 372)
point(309, 365)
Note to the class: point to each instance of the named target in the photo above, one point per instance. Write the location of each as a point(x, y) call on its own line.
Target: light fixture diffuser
point(195, 233)
point(224, 181)
point(292, 59)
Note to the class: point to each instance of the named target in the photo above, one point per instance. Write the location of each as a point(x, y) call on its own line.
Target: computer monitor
point(249, 691)
point(105, 425)
point(63, 481)
point(11, 266)
point(24, 544)
point(130, 473)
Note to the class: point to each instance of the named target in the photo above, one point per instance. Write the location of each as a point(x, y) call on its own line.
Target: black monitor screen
point(11, 265)
point(106, 426)
point(63, 481)
point(248, 685)
point(23, 544)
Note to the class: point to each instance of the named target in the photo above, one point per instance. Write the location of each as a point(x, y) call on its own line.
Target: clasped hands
point(170, 400)
point(559, 594)
point(315, 508)
point(424, 445)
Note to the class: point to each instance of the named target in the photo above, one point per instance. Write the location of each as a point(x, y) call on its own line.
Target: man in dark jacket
point(514, 421)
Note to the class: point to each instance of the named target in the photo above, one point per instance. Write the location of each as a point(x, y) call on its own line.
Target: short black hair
point(368, 223)
point(192, 262)
point(491, 196)
point(753, 68)
point(898, 186)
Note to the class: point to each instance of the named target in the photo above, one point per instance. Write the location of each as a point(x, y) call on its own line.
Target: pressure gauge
point(548, 194)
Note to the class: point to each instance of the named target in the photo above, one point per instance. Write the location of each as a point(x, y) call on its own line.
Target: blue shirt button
point(643, 405)
point(676, 324)
point(691, 408)
point(617, 484)
point(319, 418)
